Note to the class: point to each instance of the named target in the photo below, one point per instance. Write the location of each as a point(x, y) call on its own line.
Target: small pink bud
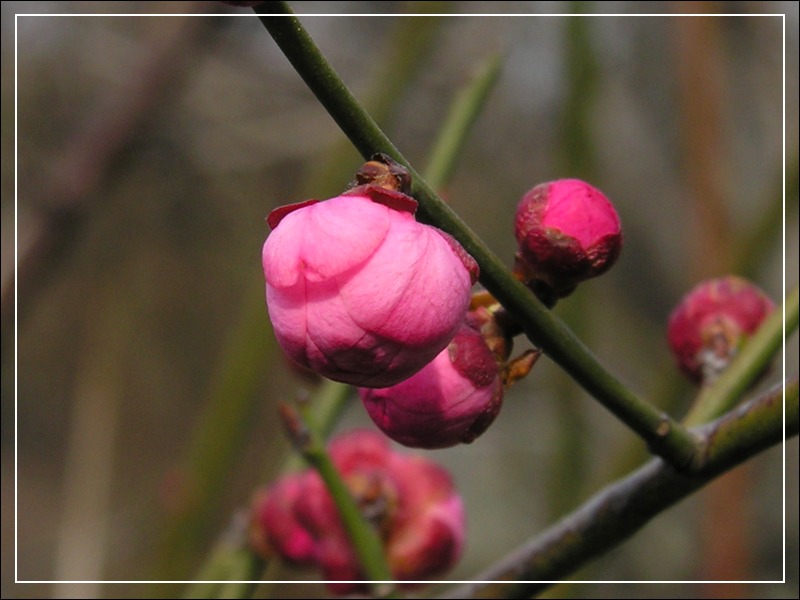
point(708, 327)
point(410, 500)
point(361, 292)
point(567, 231)
point(452, 400)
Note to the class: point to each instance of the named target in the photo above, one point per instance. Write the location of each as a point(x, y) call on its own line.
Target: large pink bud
point(567, 231)
point(359, 291)
point(712, 321)
point(452, 400)
point(410, 500)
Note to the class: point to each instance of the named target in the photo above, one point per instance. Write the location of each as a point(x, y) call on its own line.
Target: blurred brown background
point(150, 150)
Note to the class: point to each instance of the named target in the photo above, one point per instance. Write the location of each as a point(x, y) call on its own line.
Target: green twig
point(323, 410)
point(575, 152)
point(750, 252)
point(364, 539)
point(624, 507)
point(466, 107)
point(232, 570)
point(664, 435)
point(745, 369)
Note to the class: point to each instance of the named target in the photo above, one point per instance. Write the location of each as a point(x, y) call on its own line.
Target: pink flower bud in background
point(361, 292)
point(410, 500)
point(275, 528)
point(710, 324)
point(452, 400)
point(427, 533)
point(567, 231)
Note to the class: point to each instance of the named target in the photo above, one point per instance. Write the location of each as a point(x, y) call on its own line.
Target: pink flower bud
point(567, 231)
point(361, 292)
point(452, 400)
point(410, 500)
point(708, 327)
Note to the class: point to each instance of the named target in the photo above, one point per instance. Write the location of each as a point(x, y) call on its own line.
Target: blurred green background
point(150, 149)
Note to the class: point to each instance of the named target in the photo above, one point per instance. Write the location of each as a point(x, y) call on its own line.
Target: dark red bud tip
point(277, 215)
point(391, 198)
point(472, 358)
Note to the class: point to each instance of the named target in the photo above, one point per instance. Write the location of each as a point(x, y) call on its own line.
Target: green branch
point(363, 537)
point(624, 507)
point(664, 435)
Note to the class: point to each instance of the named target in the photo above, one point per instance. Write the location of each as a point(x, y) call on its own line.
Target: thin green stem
point(466, 107)
point(664, 435)
point(746, 368)
point(324, 408)
point(364, 539)
point(576, 153)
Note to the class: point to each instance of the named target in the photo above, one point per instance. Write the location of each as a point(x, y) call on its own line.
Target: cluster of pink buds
point(711, 322)
point(567, 231)
point(454, 398)
point(357, 289)
point(410, 500)
point(360, 292)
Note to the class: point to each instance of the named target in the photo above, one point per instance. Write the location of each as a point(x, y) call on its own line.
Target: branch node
point(297, 431)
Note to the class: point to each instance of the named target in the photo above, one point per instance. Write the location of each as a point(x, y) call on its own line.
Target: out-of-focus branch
point(61, 204)
point(699, 70)
point(624, 507)
point(463, 113)
point(751, 252)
